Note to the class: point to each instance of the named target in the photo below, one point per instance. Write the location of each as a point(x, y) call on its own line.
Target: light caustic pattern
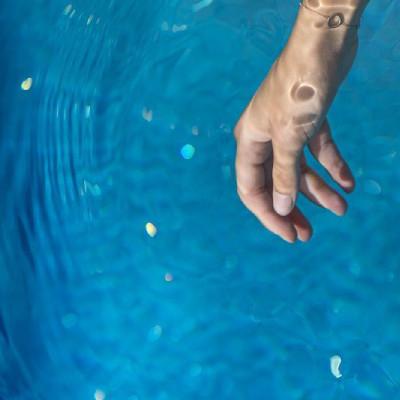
point(128, 267)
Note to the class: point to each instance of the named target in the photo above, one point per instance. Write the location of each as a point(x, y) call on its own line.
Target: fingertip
point(349, 187)
point(283, 203)
point(305, 238)
point(290, 238)
point(347, 179)
point(340, 208)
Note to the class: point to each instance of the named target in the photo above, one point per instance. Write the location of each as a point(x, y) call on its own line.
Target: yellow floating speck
point(26, 84)
point(67, 9)
point(151, 229)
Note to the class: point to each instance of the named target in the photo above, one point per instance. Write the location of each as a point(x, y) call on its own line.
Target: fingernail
point(283, 203)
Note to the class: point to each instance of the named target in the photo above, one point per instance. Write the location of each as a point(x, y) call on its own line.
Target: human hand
point(287, 113)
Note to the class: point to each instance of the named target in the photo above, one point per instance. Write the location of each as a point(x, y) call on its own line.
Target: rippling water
point(124, 118)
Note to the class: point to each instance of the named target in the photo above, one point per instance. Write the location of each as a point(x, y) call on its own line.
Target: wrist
point(312, 30)
point(351, 10)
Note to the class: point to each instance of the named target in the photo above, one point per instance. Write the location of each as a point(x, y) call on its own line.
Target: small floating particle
point(195, 130)
point(87, 111)
point(164, 26)
point(151, 229)
point(372, 187)
point(99, 395)
point(187, 151)
point(147, 114)
point(67, 9)
point(94, 189)
point(335, 364)
point(72, 13)
point(69, 320)
point(200, 5)
point(168, 277)
point(91, 16)
point(26, 84)
point(179, 28)
point(195, 369)
point(154, 333)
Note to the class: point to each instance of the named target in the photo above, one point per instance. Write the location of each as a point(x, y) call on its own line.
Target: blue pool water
point(129, 269)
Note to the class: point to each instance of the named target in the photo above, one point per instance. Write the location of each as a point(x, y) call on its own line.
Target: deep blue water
point(213, 306)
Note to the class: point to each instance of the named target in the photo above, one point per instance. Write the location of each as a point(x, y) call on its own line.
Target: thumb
point(285, 176)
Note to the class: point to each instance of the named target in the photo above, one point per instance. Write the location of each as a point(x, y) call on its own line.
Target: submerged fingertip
point(283, 203)
point(340, 212)
point(291, 237)
point(349, 189)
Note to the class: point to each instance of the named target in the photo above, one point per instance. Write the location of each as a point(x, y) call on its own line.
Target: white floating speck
point(200, 5)
point(26, 84)
point(335, 364)
point(147, 114)
point(151, 229)
point(72, 14)
point(99, 395)
point(87, 111)
point(164, 26)
point(94, 189)
point(154, 333)
point(195, 130)
point(168, 277)
point(179, 28)
point(91, 16)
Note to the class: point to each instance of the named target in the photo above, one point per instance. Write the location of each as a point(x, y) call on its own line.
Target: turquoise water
point(127, 120)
